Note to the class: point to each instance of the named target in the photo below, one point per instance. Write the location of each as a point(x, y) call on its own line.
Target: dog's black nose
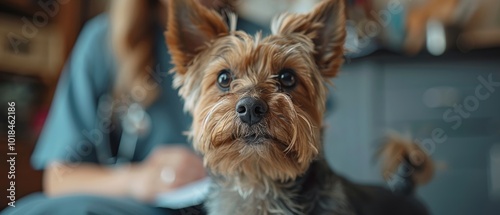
point(251, 110)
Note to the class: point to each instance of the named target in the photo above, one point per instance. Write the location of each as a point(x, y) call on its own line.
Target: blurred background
point(413, 66)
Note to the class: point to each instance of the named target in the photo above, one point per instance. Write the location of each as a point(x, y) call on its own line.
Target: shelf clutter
point(36, 38)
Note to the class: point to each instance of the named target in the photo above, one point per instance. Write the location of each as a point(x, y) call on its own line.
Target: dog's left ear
point(190, 28)
point(325, 25)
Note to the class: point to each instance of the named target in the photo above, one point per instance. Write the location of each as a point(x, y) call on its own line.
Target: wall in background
point(411, 95)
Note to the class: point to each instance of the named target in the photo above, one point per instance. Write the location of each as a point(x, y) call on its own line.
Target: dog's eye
point(224, 79)
point(287, 78)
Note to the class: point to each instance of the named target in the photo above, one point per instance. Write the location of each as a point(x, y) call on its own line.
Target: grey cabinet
point(418, 96)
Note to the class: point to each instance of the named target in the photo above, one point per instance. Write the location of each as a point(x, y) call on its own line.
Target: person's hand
point(165, 169)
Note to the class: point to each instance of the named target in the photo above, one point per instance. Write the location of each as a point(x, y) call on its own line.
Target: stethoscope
point(135, 122)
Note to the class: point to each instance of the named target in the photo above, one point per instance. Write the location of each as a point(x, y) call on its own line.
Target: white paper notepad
point(191, 194)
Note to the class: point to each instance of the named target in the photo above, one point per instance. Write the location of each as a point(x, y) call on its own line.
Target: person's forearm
point(61, 179)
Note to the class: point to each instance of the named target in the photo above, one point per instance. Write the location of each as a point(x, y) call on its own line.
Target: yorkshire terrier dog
point(257, 105)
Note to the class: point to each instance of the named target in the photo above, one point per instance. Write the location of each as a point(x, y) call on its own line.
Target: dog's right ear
point(190, 28)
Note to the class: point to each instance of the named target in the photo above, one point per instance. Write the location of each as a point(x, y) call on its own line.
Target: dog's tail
point(405, 165)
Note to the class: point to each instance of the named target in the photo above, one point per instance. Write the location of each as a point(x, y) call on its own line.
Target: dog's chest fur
point(318, 192)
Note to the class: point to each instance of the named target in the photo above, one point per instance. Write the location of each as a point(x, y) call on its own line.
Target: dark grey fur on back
point(319, 192)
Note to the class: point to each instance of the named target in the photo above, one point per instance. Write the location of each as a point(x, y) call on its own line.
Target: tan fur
point(204, 45)
point(190, 30)
point(394, 152)
point(296, 132)
point(322, 25)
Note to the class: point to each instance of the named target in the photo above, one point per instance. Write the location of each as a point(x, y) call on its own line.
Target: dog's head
point(257, 103)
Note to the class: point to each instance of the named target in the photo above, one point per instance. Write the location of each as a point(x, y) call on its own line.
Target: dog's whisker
point(211, 112)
